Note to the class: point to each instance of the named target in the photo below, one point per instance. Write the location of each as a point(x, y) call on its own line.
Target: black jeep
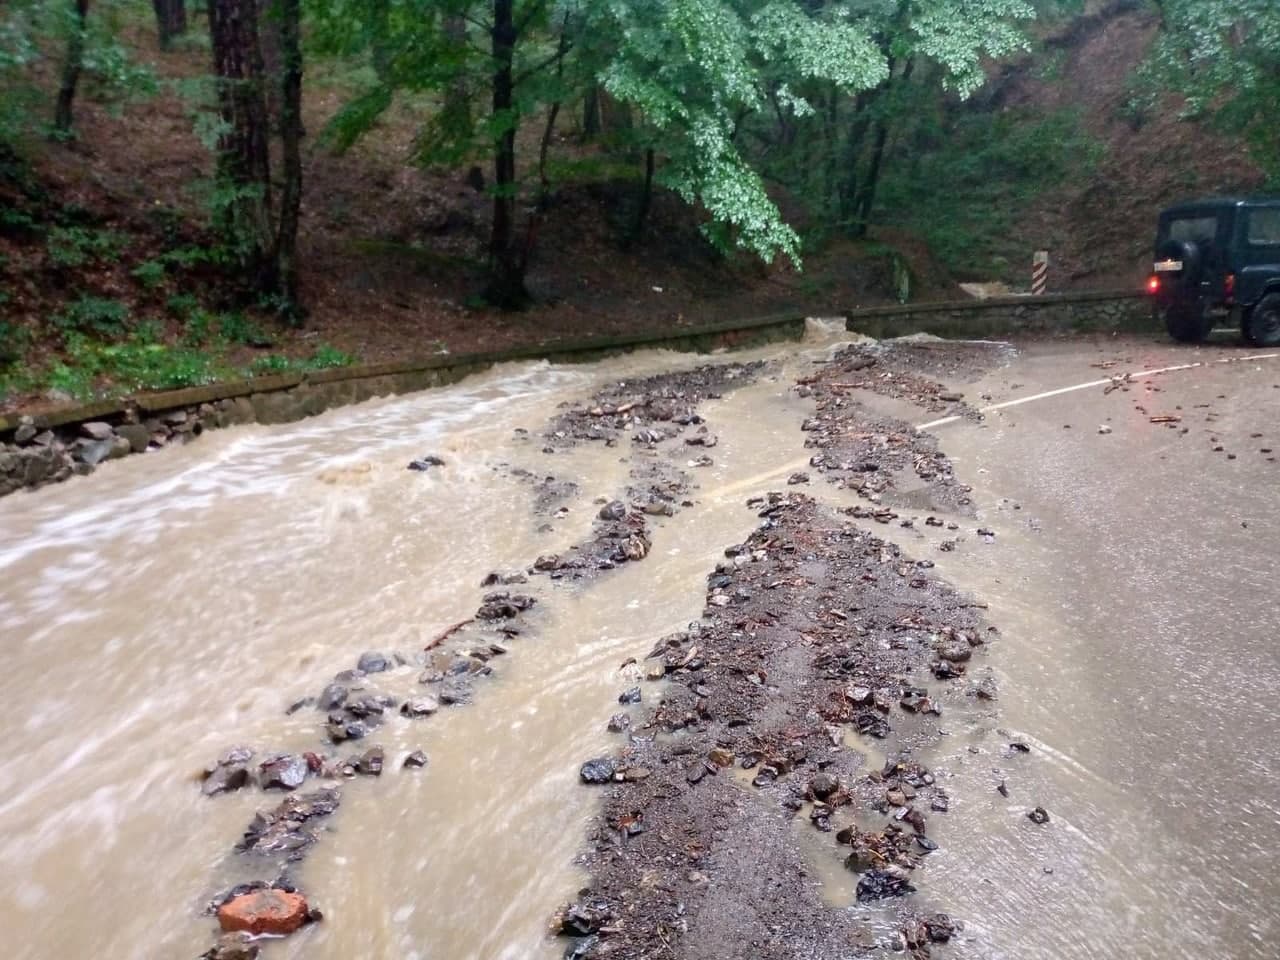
point(1217, 259)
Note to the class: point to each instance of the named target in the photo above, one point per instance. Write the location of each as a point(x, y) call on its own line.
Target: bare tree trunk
point(831, 155)
point(171, 20)
point(269, 45)
point(506, 275)
point(591, 113)
point(290, 12)
point(867, 190)
point(854, 144)
point(71, 69)
point(244, 163)
point(645, 202)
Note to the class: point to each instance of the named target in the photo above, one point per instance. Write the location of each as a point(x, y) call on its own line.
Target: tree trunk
point(831, 152)
point(867, 190)
point(646, 199)
point(269, 15)
point(244, 164)
point(71, 69)
point(617, 123)
point(854, 144)
point(506, 276)
point(171, 20)
point(591, 113)
point(290, 12)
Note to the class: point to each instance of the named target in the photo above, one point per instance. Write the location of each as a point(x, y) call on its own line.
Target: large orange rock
point(264, 911)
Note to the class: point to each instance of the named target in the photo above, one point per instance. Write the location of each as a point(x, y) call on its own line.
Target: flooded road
point(173, 605)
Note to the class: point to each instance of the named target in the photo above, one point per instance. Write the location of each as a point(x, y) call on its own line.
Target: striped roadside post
point(1040, 273)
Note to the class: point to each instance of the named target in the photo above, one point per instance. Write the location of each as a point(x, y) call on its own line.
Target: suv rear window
point(1264, 228)
point(1196, 229)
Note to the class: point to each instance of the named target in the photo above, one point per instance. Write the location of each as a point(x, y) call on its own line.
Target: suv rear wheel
point(1262, 323)
point(1186, 320)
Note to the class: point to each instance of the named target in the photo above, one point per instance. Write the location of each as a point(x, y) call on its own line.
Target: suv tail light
point(1229, 287)
point(1153, 285)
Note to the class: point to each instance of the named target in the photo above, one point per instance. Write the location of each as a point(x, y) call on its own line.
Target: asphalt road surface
point(1135, 574)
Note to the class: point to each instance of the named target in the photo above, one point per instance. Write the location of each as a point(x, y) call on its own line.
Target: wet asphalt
point(1136, 577)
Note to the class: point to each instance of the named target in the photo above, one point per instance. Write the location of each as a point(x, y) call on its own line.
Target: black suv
point(1217, 259)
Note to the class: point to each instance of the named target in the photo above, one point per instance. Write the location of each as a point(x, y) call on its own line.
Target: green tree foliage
point(70, 33)
point(719, 95)
point(1224, 57)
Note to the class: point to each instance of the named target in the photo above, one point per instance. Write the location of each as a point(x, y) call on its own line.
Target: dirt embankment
point(818, 639)
point(392, 255)
point(1098, 229)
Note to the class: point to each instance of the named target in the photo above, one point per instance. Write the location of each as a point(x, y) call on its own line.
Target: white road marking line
point(1098, 383)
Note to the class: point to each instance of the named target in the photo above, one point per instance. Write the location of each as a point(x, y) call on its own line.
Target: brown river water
point(173, 605)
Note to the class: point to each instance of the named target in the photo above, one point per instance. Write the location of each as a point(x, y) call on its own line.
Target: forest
point(196, 191)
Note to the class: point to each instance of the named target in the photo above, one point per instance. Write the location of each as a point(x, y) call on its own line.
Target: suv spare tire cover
point(1188, 251)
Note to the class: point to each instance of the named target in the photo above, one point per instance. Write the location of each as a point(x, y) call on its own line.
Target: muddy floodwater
point(173, 605)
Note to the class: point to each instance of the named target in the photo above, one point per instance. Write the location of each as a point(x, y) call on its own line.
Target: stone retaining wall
point(1008, 316)
point(73, 441)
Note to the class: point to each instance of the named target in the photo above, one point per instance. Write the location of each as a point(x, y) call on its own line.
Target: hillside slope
point(1099, 230)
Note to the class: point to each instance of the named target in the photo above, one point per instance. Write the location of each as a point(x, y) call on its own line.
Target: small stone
point(340, 730)
point(823, 786)
point(425, 463)
point(93, 452)
point(600, 770)
point(419, 707)
point(332, 697)
point(230, 773)
point(455, 691)
point(721, 757)
point(956, 651)
point(373, 662)
point(370, 762)
point(940, 927)
point(860, 696)
point(285, 772)
point(97, 430)
point(266, 911)
point(1039, 815)
point(137, 435)
point(619, 723)
point(655, 671)
point(232, 946)
point(613, 510)
point(25, 433)
point(630, 696)
point(636, 547)
point(415, 760)
point(881, 884)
